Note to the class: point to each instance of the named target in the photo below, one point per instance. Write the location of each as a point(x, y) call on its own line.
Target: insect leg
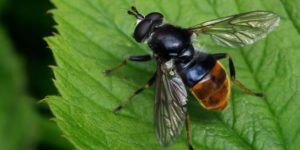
point(232, 74)
point(147, 85)
point(187, 127)
point(140, 58)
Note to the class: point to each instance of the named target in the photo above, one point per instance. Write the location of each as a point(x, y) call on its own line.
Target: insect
point(180, 66)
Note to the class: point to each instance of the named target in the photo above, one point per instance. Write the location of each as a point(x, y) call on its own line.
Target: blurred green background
point(25, 77)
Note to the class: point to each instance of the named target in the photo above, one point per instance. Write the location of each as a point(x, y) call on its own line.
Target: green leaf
point(95, 35)
point(17, 118)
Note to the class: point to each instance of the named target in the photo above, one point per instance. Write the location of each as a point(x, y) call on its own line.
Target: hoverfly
point(179, 65)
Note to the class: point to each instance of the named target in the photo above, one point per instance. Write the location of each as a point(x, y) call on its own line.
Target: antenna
point(133, 11)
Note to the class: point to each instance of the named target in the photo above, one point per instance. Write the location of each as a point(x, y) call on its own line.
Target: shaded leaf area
point(17, 118)
point(96, 34)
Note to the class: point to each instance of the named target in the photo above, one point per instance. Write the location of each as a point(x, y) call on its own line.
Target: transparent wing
point(170, 105)
point(240, 29)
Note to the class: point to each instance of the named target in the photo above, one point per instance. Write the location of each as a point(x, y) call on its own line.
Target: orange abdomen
point(213, 90)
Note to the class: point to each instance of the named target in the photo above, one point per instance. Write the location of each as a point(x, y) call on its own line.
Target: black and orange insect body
point(207, 80)
point(213, 90)
point(179, 65)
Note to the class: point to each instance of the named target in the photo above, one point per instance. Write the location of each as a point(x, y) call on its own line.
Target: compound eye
point(145, 26)
point(155, 17)
point(142, 30)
